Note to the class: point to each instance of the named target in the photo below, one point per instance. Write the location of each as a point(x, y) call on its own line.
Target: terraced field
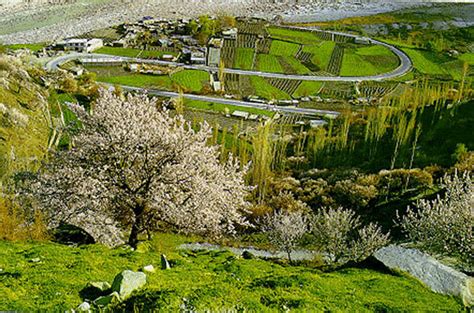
point(284, 48)
point(307, 88)
point(244, 58)
point(368, 61)
point(265, 90)
point(320, 53)
point(191, 80)
point(269, 63)
point(296, 36)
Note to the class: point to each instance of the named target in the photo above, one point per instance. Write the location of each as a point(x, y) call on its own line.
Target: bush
point(285, 229)
point(17, 225)
point(445, 224)
point(340, 234)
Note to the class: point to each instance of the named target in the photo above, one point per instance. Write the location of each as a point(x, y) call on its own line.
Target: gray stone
point(103, 301)
point(165, 265)
point(84, 307)
point(100, 285)
point(127, 282)
point(438, 277)
point(149, 268)
point(35, 260)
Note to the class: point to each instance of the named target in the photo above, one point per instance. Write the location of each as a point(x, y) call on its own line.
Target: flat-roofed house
point(81, 45)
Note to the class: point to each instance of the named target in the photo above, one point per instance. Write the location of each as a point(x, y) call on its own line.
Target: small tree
point(445, 225)
point(135, 167)
point(339, 234)
point(285, 229)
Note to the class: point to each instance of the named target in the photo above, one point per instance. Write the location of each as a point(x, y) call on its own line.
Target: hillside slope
point(25, 118)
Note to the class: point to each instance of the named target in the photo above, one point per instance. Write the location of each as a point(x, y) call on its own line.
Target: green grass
point(425, 62)
point(368, 61)
point(307, 88)
point(191, 80)
point(301, 37)
point(355, 65)
point(266, 90)
point(321, 53)
point(374, 51)
point(467, 57)
point(139, 80)
point(284, 48)
point(244, 58)
point(132, 53)
point(210, 281)
point(219, 107)
point(33, 47)
point(269, 63)
point(295, 65)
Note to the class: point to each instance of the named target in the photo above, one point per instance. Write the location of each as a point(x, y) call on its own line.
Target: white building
point(81, 45)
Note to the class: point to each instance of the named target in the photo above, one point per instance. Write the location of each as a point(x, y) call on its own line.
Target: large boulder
point(438, 277)
point(127, 282)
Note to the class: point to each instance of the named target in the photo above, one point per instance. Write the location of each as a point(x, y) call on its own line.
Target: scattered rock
point(127, 282)
point(149, 268)
point(103, 301)
point(165, 265)
point(100, 285)
point(84, 307)
point(438, 277)
point(35, 260)
point(247, 255)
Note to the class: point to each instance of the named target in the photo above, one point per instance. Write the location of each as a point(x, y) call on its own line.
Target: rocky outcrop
point(127, 282)
point(438, 277)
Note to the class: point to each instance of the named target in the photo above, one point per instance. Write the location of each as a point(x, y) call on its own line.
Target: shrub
point(17, 225)
point(285, 229)
point(339, 233)
point(445, 224)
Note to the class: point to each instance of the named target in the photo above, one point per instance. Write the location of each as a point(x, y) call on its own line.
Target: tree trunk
point(133, 238)
point(289, 256)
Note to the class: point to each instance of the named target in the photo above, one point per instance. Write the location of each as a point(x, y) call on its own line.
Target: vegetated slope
point(211, 281)
point(25, 118)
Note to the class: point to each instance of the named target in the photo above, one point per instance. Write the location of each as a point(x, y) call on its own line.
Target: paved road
point(294, 110)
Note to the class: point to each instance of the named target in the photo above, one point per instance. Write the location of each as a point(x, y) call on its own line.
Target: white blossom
point(134, 166)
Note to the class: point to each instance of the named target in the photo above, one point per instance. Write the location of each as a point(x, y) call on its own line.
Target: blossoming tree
point(134, 167)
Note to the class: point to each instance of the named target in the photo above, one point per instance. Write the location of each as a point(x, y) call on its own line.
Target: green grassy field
point(307, 88)
point(210, 281)
point(425, 62)
point(301, 37)
point(467, 57)
point(243, 58)
point(284, 48)
point(266, 90)
point(366, 61)
point(33, 47)
point(294, 65)
point(139, 80)
point(321, 53)
point(132, 53)
point(191, 80)
point(269, 63)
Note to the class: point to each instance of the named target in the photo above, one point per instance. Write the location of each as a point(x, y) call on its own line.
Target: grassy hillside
point(24, 111)
point(207, 280)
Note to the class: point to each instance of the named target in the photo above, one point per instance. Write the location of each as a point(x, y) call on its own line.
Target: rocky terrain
point(45, 21)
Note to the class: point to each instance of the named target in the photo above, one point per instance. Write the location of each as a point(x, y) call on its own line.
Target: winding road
point(404, 67)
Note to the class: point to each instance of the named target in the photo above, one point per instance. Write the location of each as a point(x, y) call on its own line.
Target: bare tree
point(285, 229)
point(445, 224)
point(133, 167)
point(340, 234)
